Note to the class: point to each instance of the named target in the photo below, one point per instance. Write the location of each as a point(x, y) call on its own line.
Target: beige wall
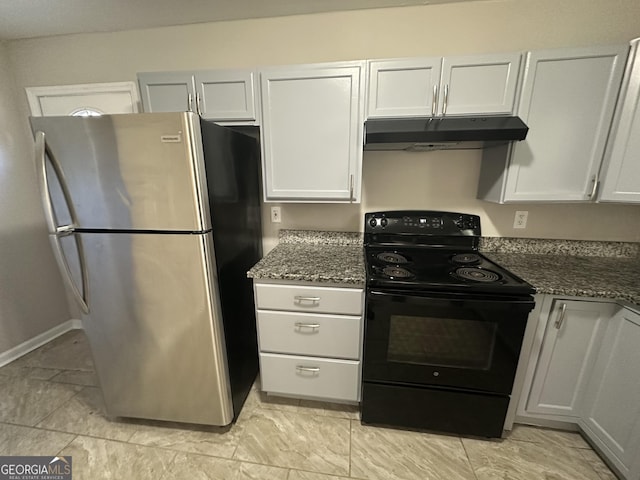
point(435, 180)
point(31, 298)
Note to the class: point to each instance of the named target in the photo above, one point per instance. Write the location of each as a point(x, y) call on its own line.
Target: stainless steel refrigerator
point(154, 220)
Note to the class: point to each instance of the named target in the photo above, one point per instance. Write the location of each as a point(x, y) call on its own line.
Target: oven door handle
point(423, 298)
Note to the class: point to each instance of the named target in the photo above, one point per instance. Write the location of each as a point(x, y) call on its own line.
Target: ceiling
point(41, 18)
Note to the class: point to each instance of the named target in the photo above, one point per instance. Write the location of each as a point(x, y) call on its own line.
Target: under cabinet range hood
point(425, 134)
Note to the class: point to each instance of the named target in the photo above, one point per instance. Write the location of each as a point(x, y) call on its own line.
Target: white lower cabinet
point(611, 414)
point(571, 333)
point(583, 371)
point(310, 340)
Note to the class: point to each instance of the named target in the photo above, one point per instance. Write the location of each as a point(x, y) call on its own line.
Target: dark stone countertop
point(307, 262)
point(598, 277)
point(580, 269)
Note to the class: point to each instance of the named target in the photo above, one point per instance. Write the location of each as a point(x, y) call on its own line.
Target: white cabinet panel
point(483, 84)
point(226, 95)
point(310, 376)
point(567, 100)
point(312, 133)
point(570, 344)
point(167, 91)
point(310, 334)
point(621, 172)
point(425, 87)
point(612, 402)
point(403, 87)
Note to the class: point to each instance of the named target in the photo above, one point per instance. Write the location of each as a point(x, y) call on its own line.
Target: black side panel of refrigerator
point(232, 162)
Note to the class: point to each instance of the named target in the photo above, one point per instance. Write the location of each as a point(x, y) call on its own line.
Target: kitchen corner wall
point(444, 180)
point(32, 300)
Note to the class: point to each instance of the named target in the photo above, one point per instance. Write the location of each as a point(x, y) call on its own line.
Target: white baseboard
point(39, 340)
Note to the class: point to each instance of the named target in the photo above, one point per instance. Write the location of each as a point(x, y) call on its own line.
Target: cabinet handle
point(434, 102)
point(446, 100)
point(307, 325)
point(198, 99)
point(351, 188)
point(302, 368)
point(560, 319)
point(190, 102)
point(594, 190)
point(299, 300)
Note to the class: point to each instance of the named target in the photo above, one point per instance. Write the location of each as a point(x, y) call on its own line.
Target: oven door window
point(470, 342)
point(447, 342)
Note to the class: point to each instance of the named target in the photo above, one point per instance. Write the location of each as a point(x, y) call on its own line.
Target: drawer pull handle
point(307, 325)
point(302, 368)
point(306, 301)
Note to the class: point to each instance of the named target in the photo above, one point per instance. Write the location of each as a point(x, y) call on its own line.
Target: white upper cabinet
point(403, 87)
point(312, 132)
point(611, 417)
point(568, 98)
point(484, 84)
point(220, 95)
point(425, 87)
point(621, 171)
point(226, 95)
point(167, 91)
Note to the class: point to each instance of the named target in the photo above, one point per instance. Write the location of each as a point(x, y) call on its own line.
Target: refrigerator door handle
point(57, 232)
point(41, 170)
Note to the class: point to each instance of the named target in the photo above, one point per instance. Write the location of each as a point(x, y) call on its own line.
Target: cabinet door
point(569, 347)
point(481, 84)
point(167, 91)
point(312, 122)
point(612, 402)
point(622, 170)
point(567, 100)
point(403, 87)
point(226, 95)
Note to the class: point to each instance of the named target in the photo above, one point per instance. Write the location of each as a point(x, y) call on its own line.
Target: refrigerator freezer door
point(155, 327)
point(141, 172)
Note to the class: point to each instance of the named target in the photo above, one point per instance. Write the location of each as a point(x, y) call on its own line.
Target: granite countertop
point(573, 268)
point(557, 267)
point(328, 257)
point(599, 277)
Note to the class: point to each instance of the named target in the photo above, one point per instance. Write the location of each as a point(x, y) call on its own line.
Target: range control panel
point(422, 223)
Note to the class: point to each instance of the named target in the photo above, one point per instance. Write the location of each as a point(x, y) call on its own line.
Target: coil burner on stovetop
point(466, 259)
point(477, 274)
point(397, 273)
point(392, 257)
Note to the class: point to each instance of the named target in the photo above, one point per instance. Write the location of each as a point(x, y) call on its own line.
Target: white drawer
point(309, 299)
point(309, 334)
point(310, 377)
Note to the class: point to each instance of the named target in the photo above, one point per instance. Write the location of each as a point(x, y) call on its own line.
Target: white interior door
point(84, 100)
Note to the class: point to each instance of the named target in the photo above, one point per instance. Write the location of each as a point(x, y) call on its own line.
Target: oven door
point(465, 341)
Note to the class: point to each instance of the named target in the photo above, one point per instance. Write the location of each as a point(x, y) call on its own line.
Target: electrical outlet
point(520, 220)
point(276, 215)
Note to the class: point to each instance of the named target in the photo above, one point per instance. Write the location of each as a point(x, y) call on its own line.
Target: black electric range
point(444, 325)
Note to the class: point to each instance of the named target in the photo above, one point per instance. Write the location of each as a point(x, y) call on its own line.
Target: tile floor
point(50, 404)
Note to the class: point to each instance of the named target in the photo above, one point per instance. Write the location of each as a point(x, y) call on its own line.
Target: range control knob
point(373, 222)
point(384, 222)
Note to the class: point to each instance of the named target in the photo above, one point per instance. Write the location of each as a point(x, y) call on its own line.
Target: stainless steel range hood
point(424, 134)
